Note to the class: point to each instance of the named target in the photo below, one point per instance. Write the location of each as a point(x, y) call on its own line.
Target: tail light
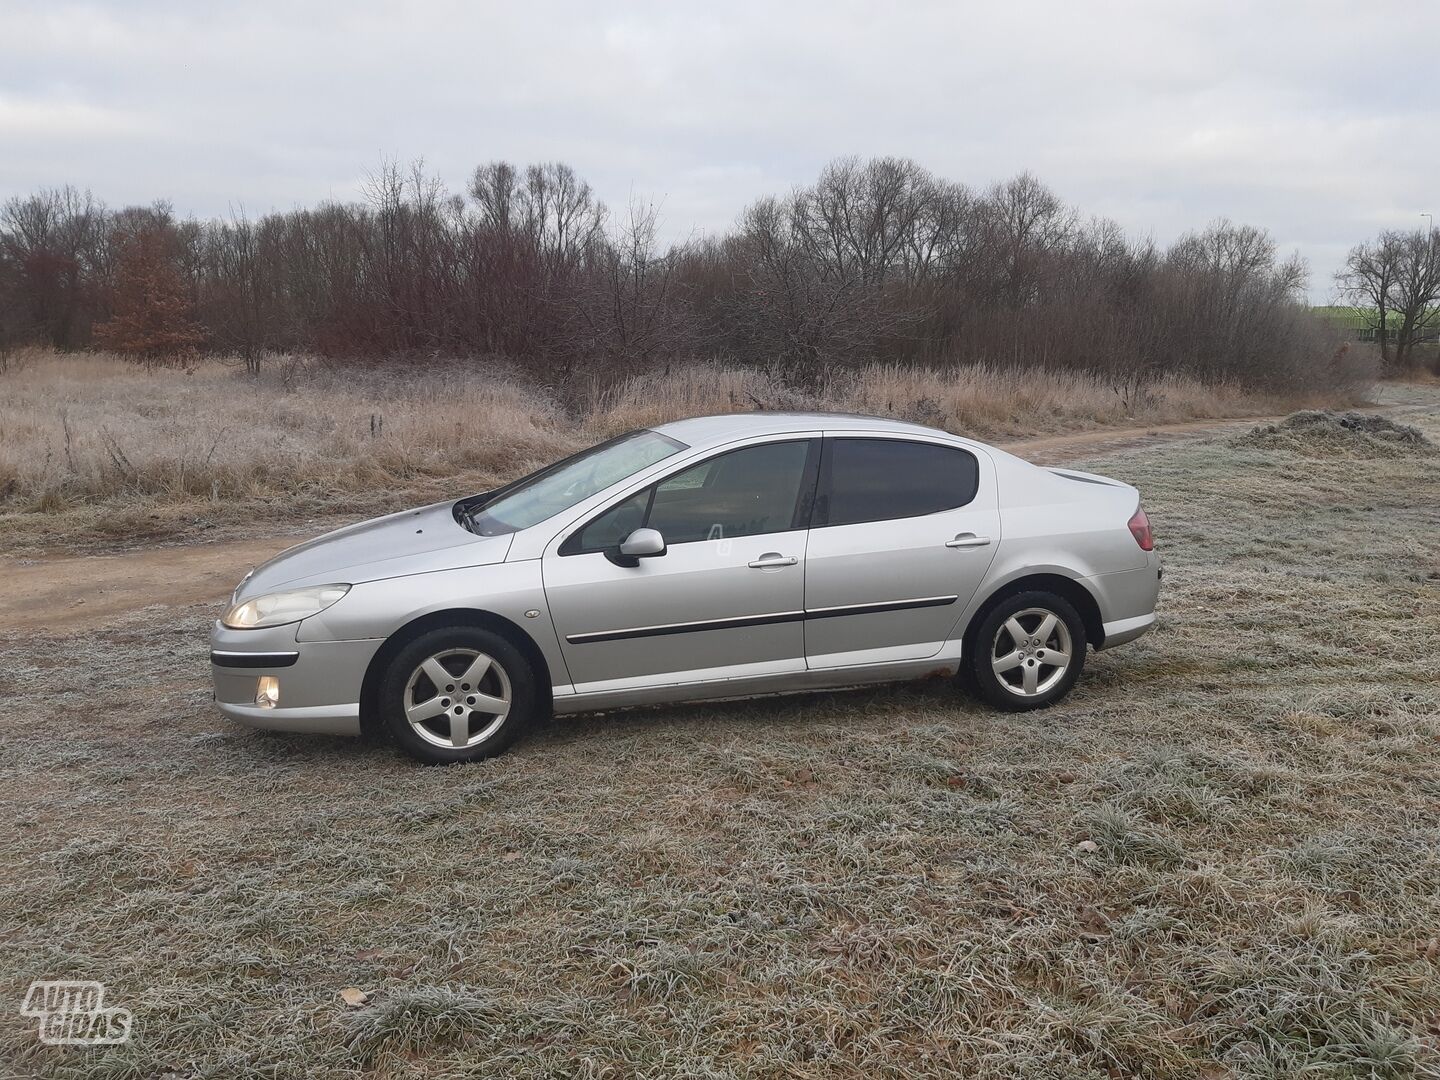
point(1140, 529)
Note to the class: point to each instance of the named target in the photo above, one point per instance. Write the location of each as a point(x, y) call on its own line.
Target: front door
point(725, 600)
point(903, 533)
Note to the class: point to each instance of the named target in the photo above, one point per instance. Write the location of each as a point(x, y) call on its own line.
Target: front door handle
point(772, 559)
point(968, 540)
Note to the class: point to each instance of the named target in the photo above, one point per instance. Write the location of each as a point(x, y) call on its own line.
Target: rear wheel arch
point(1069, 589)
point(371, 725)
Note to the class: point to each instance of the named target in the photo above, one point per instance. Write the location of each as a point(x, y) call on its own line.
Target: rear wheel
point(457, 694)
point(1029, 650)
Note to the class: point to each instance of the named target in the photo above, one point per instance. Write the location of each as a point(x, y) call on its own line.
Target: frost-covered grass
point(1220, 857)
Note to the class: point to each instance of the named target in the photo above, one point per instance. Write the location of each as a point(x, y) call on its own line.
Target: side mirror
point(640, 544)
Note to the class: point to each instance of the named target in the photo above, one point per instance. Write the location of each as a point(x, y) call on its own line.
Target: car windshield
point(558, 487)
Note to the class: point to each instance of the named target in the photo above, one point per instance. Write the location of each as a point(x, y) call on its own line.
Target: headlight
point(276, 609)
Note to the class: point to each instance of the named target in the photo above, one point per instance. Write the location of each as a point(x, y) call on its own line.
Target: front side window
point(884, 479)
point(742, 493)
point(607, 530)
point(560, 486)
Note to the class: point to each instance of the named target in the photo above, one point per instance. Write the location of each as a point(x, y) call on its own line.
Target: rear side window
point(883, 479)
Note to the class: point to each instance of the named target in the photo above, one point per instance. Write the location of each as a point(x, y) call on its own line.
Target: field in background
point(96, 450)
point(1219, 858)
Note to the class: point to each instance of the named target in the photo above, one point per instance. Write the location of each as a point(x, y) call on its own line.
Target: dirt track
point(68, 594)
point(71, 594)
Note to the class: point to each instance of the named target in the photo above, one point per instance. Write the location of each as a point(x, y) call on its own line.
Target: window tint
point(611, 527)
point(743, 493)
point(880, 479)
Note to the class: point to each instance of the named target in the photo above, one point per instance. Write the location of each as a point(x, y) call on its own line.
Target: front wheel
point(457, 694)
point(1028, 652)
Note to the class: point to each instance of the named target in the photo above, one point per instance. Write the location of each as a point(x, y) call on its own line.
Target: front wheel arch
point(371, 726)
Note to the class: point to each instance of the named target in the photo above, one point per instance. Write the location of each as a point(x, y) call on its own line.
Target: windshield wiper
point(465, 515)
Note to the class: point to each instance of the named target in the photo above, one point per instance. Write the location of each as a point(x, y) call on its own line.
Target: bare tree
point(55, 240)
point(862, 221)
point(1417, 291)
point(1367, 281)
point(1393, 282)
point(495, 189)
point(1028, 224)
point(878, 259)
point(626, 317)
point(236, 289)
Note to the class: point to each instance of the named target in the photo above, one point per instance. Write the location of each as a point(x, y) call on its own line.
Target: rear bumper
point(319, 681)
point(1122, 630)
point(1127, 601)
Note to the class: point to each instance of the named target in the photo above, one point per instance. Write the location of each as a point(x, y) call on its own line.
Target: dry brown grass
point(81, 427)
point(979, 401)
point(91, 446)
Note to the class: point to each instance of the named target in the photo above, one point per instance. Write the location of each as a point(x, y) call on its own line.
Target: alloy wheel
point(457, 698)
point(1031, 652)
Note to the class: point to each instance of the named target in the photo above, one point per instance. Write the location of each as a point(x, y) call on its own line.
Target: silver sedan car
point(719, 557)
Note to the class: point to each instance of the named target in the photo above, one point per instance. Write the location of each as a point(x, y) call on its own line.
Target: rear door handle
point(772, 559)
point(965, 540)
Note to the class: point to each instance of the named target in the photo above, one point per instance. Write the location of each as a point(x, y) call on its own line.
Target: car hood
point(410, 542)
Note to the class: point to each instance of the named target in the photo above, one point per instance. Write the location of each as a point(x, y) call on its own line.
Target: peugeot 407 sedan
point(725, 556)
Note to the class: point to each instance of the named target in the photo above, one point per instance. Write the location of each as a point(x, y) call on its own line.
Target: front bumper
point(319, 681)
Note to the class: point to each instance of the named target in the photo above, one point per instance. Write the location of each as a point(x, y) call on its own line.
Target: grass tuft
point(414, 1020)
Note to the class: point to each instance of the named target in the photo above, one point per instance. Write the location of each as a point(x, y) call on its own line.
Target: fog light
point(267, 693)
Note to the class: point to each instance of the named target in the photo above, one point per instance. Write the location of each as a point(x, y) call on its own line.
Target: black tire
point(1006, 690)
point(456, 648)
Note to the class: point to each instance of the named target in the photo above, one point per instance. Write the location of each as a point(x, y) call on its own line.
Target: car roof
point(701, 431)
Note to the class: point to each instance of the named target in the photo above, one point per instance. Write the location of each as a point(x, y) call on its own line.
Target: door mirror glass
point(640, 544)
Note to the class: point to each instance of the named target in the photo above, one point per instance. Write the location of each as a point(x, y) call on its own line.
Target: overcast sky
point(1316, 120)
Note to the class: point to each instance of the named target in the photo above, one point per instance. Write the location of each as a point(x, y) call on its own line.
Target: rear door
point(903, 531)
point(725, 600)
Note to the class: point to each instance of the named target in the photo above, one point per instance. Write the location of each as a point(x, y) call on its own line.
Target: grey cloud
point(1161, 116)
